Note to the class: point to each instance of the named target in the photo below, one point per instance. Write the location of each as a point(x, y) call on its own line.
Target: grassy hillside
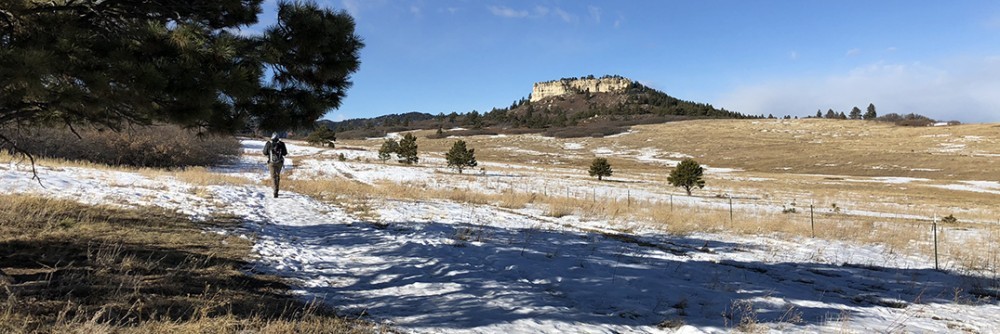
point(806, 146)
point(869, 166)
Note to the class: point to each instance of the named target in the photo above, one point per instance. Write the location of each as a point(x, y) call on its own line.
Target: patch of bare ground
point(72, 268)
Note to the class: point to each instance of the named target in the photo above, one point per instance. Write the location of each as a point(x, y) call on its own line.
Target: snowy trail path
point(456, 268)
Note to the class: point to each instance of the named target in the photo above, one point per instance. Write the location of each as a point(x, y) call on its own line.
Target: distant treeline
point(871, 114)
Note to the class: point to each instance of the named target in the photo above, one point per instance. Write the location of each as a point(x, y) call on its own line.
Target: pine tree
point(389, 147)
point(870, 114)
point(322, 136)
point(687, 175)
point(407, 151)
point(459, 157)
point(842, 115)
point(830, 114)
point(855, 113)
point(116, 63)
point(819, 114)
point(600, 168)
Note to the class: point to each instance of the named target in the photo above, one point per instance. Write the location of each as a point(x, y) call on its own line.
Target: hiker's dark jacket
point(281, 149)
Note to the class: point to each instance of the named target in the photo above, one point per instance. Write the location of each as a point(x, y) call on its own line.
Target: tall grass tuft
point(72, 268)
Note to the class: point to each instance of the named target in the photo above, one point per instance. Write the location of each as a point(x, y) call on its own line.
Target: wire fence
point(948, 243)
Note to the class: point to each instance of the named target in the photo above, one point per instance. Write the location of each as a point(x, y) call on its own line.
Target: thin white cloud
point(595, 13)
point(450, 10)
point(245, 31)
point(541, 11)
point(962, 90)
point(891, 49)
point(507, 12)
point(619, 21)
point(538, 12)
point(565, 16)
point(794, 55)
point(853, 52)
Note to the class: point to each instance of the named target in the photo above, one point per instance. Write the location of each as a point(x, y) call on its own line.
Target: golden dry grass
point(780, 164)
point(806, 146)
point(201, 176)
point(71, 268)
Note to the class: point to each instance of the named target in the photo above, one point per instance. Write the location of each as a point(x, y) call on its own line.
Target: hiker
point(275, 151)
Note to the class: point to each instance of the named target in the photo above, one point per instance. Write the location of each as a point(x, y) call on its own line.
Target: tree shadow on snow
point(464, 276)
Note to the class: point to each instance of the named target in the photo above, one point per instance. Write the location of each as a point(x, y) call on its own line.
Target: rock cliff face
point(546, 89)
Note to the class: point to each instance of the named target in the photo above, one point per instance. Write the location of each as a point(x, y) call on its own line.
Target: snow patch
point(437, 266)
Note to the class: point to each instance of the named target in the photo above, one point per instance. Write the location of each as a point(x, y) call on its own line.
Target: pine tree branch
point(8, 24)
point(15, 114)
point(14, 149)
point(71, 129)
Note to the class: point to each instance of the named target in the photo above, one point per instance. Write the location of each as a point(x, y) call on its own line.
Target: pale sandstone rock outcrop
point(543, 90)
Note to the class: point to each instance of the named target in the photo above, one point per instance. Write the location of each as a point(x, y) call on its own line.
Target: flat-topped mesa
point(561, 87)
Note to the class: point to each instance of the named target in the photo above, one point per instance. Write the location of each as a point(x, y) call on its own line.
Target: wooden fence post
point(812, 220)
point(934, 228)
point(730, 210)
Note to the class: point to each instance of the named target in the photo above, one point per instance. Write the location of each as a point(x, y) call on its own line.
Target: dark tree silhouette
point(115, 63)
point(600, 168)
point(407, 150)
point(687, 175)
point(460, 157)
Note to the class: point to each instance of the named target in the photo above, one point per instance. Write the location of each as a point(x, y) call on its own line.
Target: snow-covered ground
point(436, 266)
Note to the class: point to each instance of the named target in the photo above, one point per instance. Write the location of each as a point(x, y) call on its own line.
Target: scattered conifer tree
point(687, 175)
point(407, 151)
point(322, 136)
point(870, 114)
point(856, 113)
point(460, 157)
point(389, 147)
point(600, 168)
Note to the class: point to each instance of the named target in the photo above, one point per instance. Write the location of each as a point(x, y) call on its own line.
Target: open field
point(530, 243)
point(806, 146)
point(858, 165)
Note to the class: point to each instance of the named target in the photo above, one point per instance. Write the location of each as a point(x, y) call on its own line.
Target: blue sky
point(937, 58)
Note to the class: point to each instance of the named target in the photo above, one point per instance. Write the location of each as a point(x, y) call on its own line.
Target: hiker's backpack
point(275, 156)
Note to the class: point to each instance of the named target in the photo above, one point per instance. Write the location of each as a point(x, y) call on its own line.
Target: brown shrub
point(152, 146)
point(597, 131)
